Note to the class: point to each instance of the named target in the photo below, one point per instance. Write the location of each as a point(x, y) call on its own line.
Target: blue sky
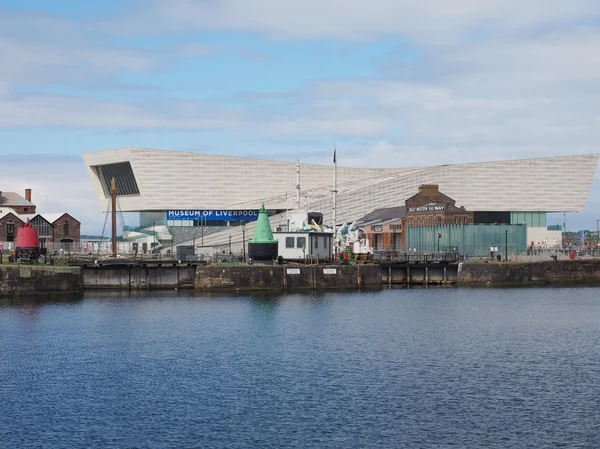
point(418, 82)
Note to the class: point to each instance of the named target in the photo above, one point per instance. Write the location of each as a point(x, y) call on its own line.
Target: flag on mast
point(334, 156)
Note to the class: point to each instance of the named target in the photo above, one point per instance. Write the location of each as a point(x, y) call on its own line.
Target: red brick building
point(385, 228)
point(9, 225)
point(430, 207)
point(15, 210)
point(66, 229)
point(20, 205)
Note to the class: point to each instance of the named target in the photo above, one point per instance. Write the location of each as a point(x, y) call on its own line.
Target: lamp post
point(154, 233)
point(244, 240)
point(194, 243)
point(564, 231)
point(506, 246)
point(439, 236)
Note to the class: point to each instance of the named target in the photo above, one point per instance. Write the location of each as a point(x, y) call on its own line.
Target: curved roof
point(181, 180)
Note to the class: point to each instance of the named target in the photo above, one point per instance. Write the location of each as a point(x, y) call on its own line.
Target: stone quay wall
point(135, 277)
point(32, 279)
point(285, 277)
point(574, 272)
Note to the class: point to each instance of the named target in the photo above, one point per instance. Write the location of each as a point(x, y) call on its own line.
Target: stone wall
point(550, 272)
point(287, 277)
point(131, 277)
point(31, 279)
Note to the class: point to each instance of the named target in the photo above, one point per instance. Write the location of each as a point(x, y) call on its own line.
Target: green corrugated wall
point(471, 240)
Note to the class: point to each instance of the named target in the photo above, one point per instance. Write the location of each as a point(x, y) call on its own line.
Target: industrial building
point(181, 192)
point(55, 230)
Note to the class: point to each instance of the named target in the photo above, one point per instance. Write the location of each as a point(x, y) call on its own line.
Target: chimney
point(429, 189)
point(28, 195)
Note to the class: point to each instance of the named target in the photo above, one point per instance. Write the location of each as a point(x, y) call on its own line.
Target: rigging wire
point(104, 227)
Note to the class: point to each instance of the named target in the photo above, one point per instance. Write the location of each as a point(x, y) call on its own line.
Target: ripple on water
point(399, 368)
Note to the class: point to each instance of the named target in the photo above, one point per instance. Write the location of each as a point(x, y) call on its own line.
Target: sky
point(390, 83)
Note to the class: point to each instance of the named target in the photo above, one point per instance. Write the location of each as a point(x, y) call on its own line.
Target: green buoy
point(263, 248)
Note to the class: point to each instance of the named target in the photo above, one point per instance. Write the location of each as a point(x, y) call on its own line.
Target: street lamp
point(244, 239)
point(439, 237)
point(564, 231)
point(154, 233)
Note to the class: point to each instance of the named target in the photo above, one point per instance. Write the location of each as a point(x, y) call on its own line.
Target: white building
point(180, 189)
point(300, 246)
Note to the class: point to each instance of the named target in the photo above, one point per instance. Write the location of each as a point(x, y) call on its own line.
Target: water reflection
point(491, 368)
point(36, 301)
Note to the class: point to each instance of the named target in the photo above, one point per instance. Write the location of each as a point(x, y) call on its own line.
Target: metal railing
point(414, 257)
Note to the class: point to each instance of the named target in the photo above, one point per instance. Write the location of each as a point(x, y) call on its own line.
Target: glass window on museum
point(439, 220)
point(301, 242)
point(289, 242)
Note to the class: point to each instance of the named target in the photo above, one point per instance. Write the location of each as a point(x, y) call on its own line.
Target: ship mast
point(297, 184)
point(113, 194)
point(334, 198)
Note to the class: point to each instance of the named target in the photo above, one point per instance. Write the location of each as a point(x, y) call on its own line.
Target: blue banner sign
point(214, 215)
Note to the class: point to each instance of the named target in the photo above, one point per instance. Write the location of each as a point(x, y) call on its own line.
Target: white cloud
point(436, 22)
point(66, 58)
point(33, 110)
point(59, 184)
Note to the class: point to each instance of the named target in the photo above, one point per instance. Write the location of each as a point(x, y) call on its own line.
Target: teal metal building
point(468, 239)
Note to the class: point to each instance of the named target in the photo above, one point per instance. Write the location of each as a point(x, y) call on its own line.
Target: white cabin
point(298, 246)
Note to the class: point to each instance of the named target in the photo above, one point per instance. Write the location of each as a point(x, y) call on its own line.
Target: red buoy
point(27, 237)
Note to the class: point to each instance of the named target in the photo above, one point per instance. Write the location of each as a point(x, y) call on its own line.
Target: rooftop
point(386, 213)
point(12, 199)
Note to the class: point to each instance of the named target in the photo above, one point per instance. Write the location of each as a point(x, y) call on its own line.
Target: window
point(26, 209)
point(325, 242)
point(123, 174)
point(66, 229)
point(301, 242)
point(439, 220)
point(396, 227)
point(316, 241)
point(10, 232)
point(289, 242)
point(44, 228)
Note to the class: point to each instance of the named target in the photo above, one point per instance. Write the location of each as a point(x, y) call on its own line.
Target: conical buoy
point(263, 248)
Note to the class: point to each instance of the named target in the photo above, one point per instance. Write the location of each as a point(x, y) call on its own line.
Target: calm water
point(481, 368)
